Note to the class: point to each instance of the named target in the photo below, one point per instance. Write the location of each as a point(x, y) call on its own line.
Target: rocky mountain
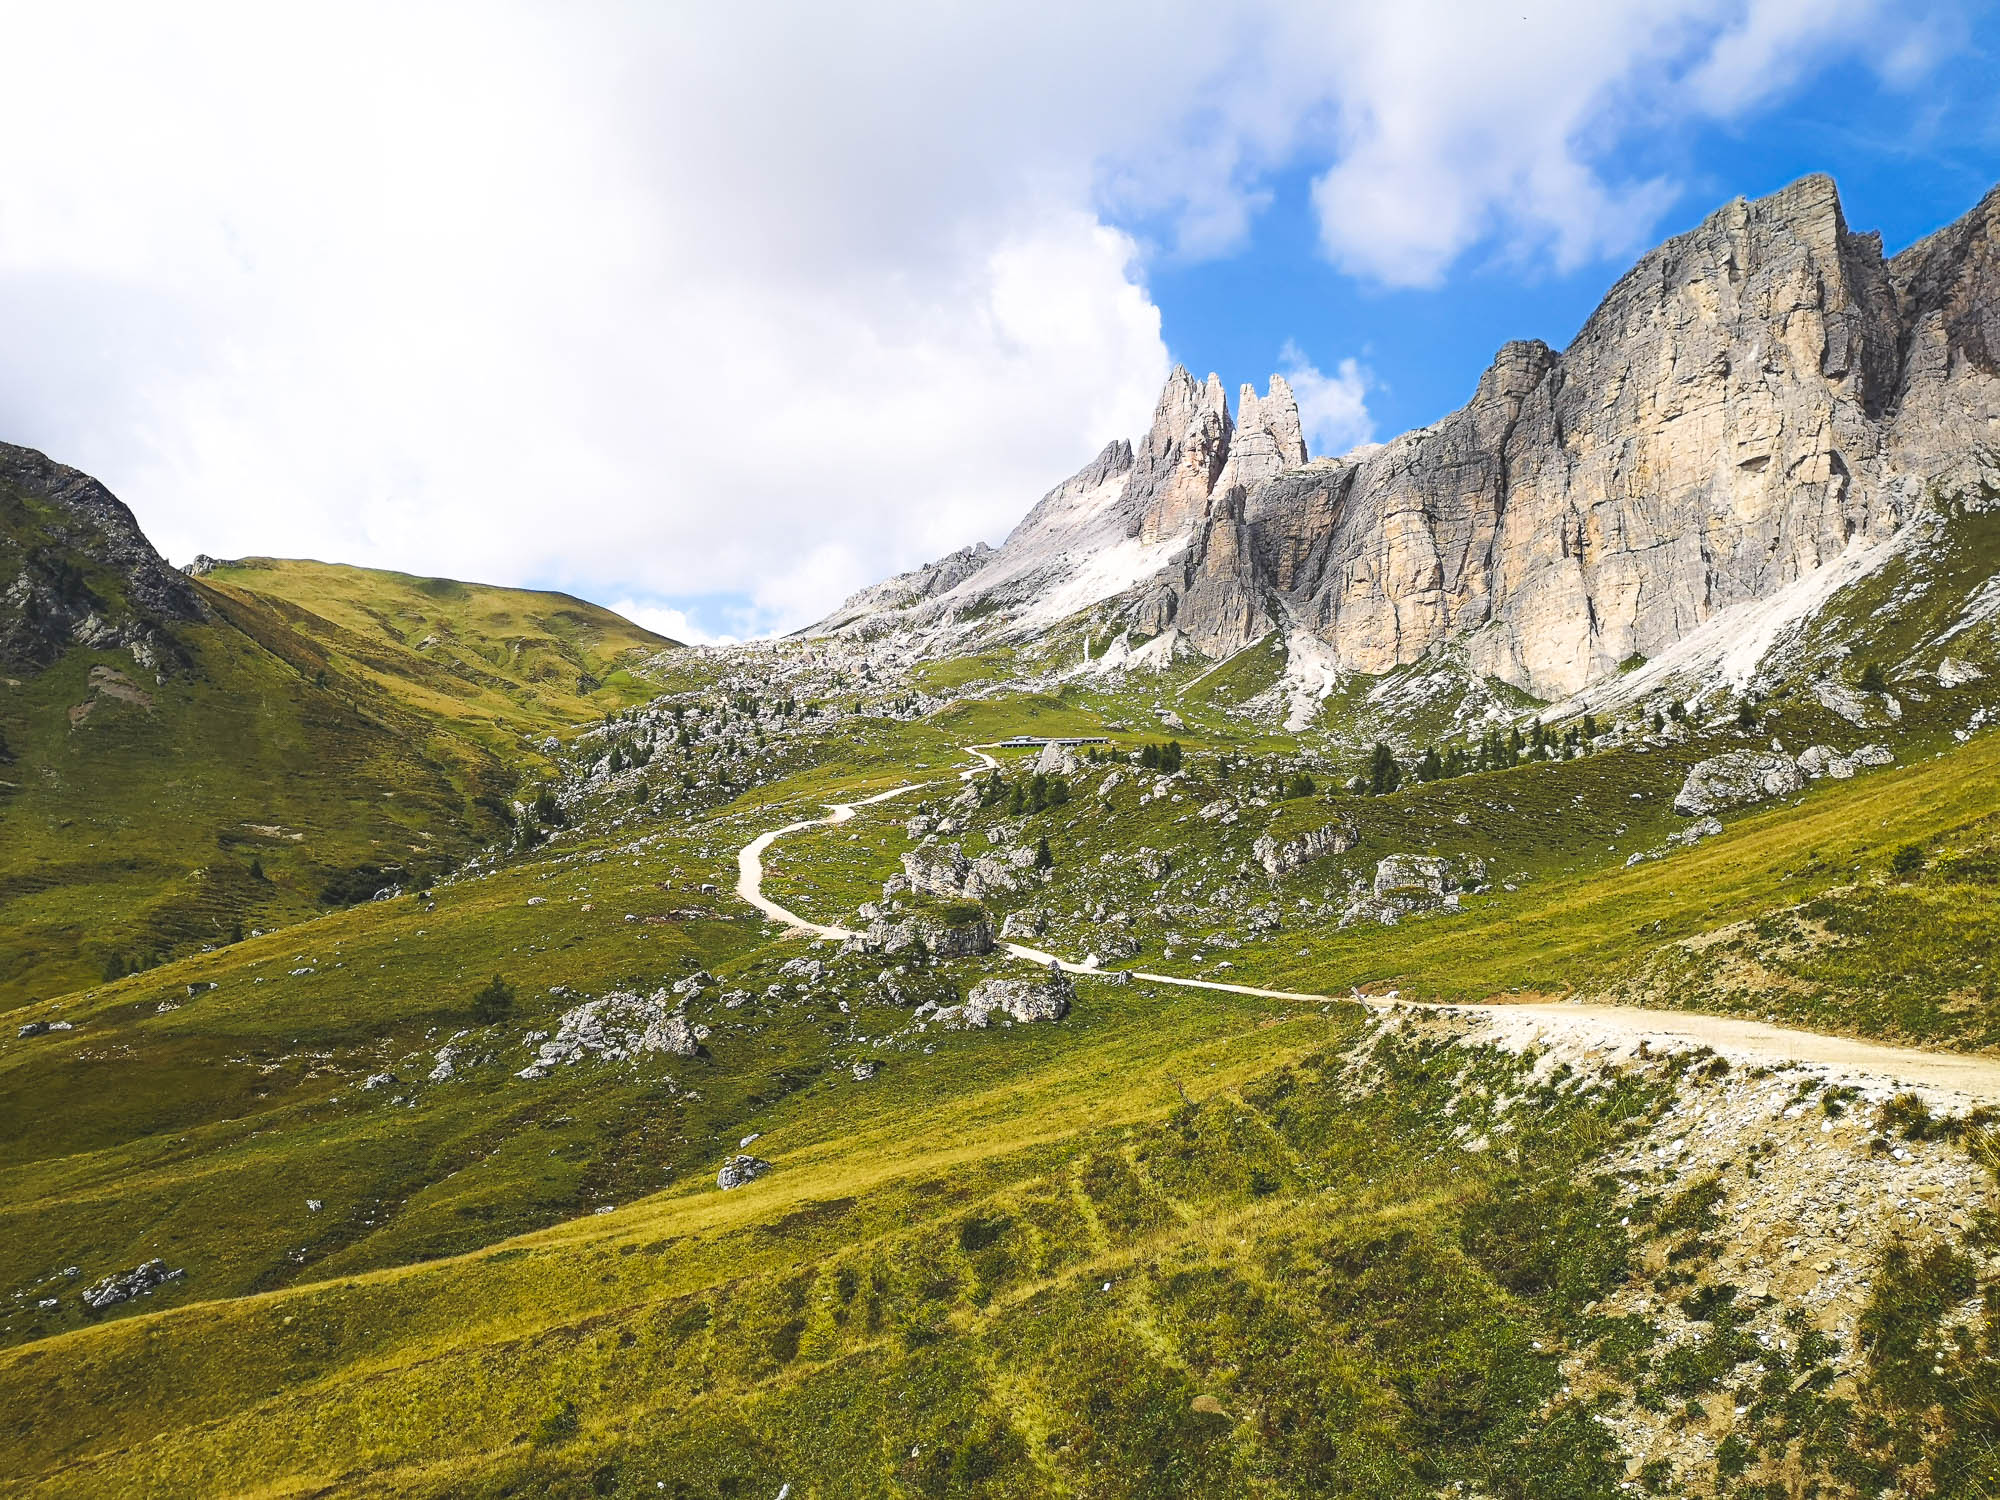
point(75, 569)
point(1756, 399)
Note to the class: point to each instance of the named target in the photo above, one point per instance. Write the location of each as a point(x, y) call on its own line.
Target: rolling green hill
point(182, 763)
point(478, 657)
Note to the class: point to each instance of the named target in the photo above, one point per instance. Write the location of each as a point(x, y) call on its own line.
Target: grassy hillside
point(146, 813)
point(480, 657)
point(1178, 1243)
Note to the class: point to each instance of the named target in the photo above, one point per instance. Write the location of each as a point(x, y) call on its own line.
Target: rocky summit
point(1756, 400)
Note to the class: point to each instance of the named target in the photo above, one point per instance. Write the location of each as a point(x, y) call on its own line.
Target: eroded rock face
point(46, 607)
point(1406, 884)
point(1281, 859)
point(941, 939)
point(943, 870)
point(1736, 779)
point(1754, 397)
point(1268, 439)
point(1176, 466)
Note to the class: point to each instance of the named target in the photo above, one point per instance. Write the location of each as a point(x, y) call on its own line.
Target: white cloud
point(763, 302)
point(1333, 409)
point(669, 621)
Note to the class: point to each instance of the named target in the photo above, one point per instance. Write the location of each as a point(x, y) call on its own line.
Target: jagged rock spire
point(1267, 440)
point(1176, 465)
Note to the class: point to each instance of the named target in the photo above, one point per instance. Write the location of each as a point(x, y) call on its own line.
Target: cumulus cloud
point(733, 309)
point(1333, 409)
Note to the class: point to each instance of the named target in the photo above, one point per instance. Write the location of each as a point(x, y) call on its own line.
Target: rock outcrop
point(1023, 1000)
point(141, 1281)
point(739, 1169)
point(1282, 858)
point(75, 569)
point(614, 1029)
point(1405, 884)
point(1737, 778)
point(1268, 439)
point(943, 870)
point(1176, 466)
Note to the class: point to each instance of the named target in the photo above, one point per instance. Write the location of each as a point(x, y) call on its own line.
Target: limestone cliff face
point(1213, 595)
point(1177, 464)
point(1753, 397)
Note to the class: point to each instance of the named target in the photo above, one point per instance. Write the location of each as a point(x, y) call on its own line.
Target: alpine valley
point(1468, 967)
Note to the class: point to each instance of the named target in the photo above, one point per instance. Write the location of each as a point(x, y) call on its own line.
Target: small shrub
point(558, 1425)
point(1873, 680)
point(494, 1003)
point(1907, 860)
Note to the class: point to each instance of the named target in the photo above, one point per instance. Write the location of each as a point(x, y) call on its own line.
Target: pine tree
point(1384, 775)
point(494, 1003)
point(1043, 859)
point(1430, 768)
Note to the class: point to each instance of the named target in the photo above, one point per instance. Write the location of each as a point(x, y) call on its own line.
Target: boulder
point(1816, 761)
point(1414, 878)
point(1951, 673)
point(1024, 1000)
point(739, 1169)
point(1056, 760)
point(1022, 924)
point(1281, 859)
point(1153, 865)
point(1736, 778)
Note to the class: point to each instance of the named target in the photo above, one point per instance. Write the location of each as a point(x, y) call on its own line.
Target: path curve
point(1597, 1028)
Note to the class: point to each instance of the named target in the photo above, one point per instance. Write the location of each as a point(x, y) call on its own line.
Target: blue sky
point(1906, 164)
point(716, 314)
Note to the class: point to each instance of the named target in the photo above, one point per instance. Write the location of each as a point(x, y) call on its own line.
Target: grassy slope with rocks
point(149, 814)
point(1180, 1242)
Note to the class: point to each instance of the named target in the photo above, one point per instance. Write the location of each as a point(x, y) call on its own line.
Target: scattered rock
point(740, 1169)
point(447, 1058)
point(1694, 833)
point(617, 1027)
point(142, 1281)
point(1738, 777)
point(379, 1080)
point(863, 1071)
point(1153, 865)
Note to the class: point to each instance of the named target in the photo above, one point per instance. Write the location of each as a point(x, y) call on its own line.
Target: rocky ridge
point(1757, 399)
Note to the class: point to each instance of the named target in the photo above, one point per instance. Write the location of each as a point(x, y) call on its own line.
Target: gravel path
point(1616, 1029)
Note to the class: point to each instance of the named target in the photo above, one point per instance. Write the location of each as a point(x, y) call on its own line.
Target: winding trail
point(1601, 1029)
